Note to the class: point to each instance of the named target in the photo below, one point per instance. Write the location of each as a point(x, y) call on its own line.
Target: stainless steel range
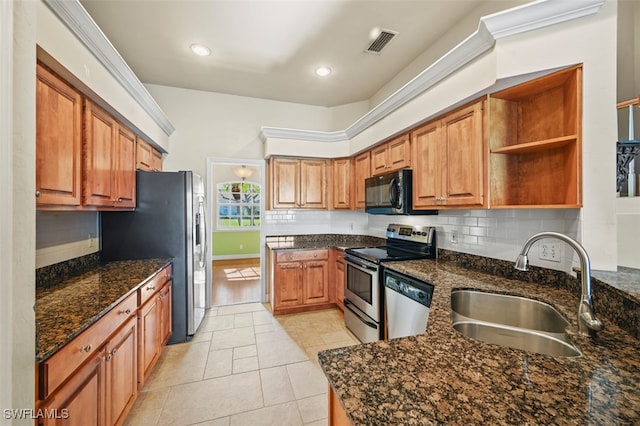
point(363, 298)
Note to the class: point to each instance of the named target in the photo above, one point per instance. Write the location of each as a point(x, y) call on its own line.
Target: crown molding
point(76, 18)
point(307, 135)
point(528, 17)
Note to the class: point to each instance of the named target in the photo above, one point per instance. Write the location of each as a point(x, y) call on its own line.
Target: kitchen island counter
point(65, 309)
point(443, 377)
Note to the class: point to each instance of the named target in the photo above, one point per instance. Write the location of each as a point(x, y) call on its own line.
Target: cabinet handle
point(38, 194)
point(108, 358)
point(151, 288)
point(113, 351)
point(126, 311)
point(87, 348)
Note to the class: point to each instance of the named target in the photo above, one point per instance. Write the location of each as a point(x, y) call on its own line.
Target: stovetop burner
point(385, 254)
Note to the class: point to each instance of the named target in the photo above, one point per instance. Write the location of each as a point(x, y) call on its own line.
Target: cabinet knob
point(108, 357)
point(38, 194)
point(151, 288)
point(126, 311)
point(113, 351)
point(87, 348)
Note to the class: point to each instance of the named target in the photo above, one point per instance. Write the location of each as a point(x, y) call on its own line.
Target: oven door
point(362, 288)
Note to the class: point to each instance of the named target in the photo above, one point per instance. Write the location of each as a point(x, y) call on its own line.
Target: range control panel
point(415, 233)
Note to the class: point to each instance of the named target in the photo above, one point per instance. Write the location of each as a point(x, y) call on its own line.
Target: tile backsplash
point(497, 234)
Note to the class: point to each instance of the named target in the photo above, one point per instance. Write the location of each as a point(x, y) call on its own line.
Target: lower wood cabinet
point(337, 415)
point(81, 400)
point(103, 390)
point(300, 280)
point(154, 321)
point(338, 276)
point(121, 362)
point(94, 379)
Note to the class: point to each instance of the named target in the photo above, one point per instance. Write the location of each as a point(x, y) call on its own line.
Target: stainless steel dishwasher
point(407, 303)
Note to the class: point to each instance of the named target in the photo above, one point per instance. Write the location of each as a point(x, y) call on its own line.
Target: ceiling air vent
point(381, 41)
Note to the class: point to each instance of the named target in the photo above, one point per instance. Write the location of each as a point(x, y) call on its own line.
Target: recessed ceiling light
point(200, 50)
point(323, 71)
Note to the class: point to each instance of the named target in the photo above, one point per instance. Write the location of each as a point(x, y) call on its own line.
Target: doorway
point(236, 206)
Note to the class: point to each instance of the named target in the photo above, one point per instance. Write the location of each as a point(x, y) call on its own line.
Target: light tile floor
point(244, 367)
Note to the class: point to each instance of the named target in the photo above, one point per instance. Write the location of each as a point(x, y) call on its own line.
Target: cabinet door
point(313, 184)
point(399, 152)
point(361, 171)
point(156, 160)
point(58, 141)
point(315, 282)
point(125, 169)
point(339, 281)
point(121, 372)
point(287, 284)
point(379, 163)
point(427, 165)
point(285, 178)
point(148, 338)
point(341, 183)
point(100, 137)
point(143, 155)
point(463, 159)
point(81, 401)
point(165, 313)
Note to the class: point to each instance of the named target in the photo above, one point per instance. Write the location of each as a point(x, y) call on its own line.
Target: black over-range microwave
point(390, 194)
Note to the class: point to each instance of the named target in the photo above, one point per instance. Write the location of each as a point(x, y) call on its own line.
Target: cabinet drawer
point(59, 367)
point(152, 286)
point(298, 255)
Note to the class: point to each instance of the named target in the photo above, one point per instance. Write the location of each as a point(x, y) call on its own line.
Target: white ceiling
point(269, 49)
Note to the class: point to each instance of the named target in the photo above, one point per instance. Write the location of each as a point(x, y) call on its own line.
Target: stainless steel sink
point(512, 321)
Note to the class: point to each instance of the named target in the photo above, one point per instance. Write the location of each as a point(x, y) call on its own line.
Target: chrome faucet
point(588, 324)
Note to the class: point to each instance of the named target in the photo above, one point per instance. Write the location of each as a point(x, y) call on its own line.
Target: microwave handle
point(394, 194)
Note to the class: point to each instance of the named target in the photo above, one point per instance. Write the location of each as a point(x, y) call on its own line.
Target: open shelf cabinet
point(535, 143)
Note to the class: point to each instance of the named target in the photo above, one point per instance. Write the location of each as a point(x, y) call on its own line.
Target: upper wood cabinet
point(298, 183)
point(58, 141)
point(109, 160)
point(361, 171)
point(341, 183)
point(148, 158)
point(535, 142)
point(156, 161)
point(392, 155)
point(448, 160)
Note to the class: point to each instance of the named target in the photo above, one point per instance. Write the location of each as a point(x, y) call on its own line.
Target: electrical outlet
point(241, 246)
point(454, 237)
point(92, 240)
point(549, 251)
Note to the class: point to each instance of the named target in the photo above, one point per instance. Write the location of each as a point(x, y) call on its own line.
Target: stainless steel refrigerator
point(169, 221)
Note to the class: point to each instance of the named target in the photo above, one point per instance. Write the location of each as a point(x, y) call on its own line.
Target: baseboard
point(235, 256)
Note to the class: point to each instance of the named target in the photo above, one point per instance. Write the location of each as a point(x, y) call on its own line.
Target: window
point(238, 205)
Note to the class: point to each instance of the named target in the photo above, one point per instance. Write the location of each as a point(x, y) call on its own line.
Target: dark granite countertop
point(624, 279)
point(66, 309)
point(319, 241)
point(443, 377)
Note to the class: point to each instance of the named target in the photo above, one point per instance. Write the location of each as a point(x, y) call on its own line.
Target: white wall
point(17, 220)
point(227, 126)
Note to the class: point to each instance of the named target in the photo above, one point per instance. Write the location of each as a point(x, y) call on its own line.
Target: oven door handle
point(348, 304)
point(361, 265)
